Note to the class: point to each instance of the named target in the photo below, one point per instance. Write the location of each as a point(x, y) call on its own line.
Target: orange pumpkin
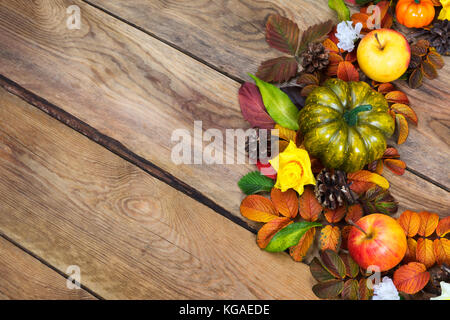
point(415, 13)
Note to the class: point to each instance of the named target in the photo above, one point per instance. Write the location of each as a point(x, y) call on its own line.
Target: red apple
point(377, 240)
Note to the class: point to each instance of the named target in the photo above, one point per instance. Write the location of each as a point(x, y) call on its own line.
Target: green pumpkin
point(345, 124)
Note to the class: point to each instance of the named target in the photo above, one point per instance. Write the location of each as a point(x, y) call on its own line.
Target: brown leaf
point(443, 227)
point(406, 110)
point(282, 34)
point(335, 58)
point(334, 216)
point(350, 290)
point(396, 166)
point(391, 153)
point(364, 292)
point(333, 263)
point(285, 202)
point(416, 78)
point(347, 71)
point(351, 56)
point(420, 48)
point(425, 252)
point(351, 267)
point(386, 87)
point(266, 233)
point(429, 70)
point(435, 59)
point(344, 236)
point(332, 70)
point(258, 208)
point(410, 222)
point(307, 79)
point(397, 97)
point(278, 70)
point(402, 128)
point(299, 251)
point(428, 223)
point(314, 33)
point(410, 255)
point(319, 272)
point(330, 238)
point(354, 213)
point(441, 248)
point(328, 289)
point(307, 90)
point(411, 278)
point(310, 208)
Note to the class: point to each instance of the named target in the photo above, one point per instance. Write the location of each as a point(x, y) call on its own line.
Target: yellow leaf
point(402, 128)
point(367, 176)
point(330, 238)
point(410, 222)
point(428, 223)
point(425, 252)
point(285, 134)
point(442, 251)
point(258, 208)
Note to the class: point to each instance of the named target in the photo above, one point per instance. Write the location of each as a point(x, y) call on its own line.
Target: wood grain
point(25, 278)
point(230, 36)
point(72, 202)
point(135, 90)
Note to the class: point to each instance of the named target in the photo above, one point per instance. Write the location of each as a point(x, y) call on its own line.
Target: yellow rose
point(445, 12)
point(293, 168)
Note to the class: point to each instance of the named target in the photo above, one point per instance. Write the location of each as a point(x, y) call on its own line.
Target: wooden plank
point(23, 277)
point(134, 89)
point(72, 202)
point(230, 36)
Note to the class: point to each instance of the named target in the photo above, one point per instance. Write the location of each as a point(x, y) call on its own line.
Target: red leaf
point(310, 208)
point(347, 72)
point(335, 58)
point(282, 34)
point(278, 70)
point(396, 166)
point(351, 56)
point(252, 107)
point(354, 213)
point(397, 97)
point(334, 216)
point(386, 87)
point(406, 110)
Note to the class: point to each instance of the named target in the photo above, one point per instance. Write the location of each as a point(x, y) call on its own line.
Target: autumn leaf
point(410, 255)
point(364, 292)
point(429, 70)
point(386, 87)
point(314, 33)
point(395, 165)
point(319, 272)
point(278, 70)
point(285, 202)
point(354, 213)
point(299, 251)
point(443, 227)
point(406, 111)
point(435, 59)
point(361, 181)
point(347, 71)
point(330, 45)
point(252, 107)
point(333, 263)
point(428, 223)
point(308, 89)
point(285, 133)
point(441, 248)
point(266, 233)
point(344, 236)
point(308, 79)
point(282, 34)
point(397, 97)
point(334, 216)
point(310, 207)
point(425, 252)
point(410, 222)
point(350, 290)
point(290, 236)
point(258, 208)
point(351, 267)
point(411, 278)
point(351, 56)
point(335, 58)
point(416, 78)
point(330, 238)
point(391, 153)
point(328, 289)
point(402, 128)
point(359, 17)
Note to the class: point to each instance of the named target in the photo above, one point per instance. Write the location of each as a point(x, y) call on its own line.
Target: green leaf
point(278, 104)
point(351, 267)
point(341, 8)
point(333, 263)
point(328, 289)
point(255, 182)
point(290, 236)
point(319, 272)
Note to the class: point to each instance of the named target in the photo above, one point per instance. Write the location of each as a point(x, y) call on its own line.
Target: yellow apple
point(384, 55)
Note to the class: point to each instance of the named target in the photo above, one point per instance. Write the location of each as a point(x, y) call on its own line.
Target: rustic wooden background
point(86, 176)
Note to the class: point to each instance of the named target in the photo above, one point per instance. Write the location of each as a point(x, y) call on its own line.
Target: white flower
point(445, 294)
point(385, 290)
point(347, 35)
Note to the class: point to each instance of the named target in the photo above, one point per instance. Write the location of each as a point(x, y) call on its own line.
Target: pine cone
point(315, 58)
point(332, 189)
point(439, 36)
point(256, 148)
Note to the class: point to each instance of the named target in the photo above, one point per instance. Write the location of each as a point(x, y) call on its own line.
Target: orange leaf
point(391, 153)
point(330, 45)
point(405, 110)
point(396, 166)
point(347, 71)
point(285, 202)
point(442, 251)
point(360, 18)
point(310, 208)
point(425, 252)
point(258, 208)
point(402, 127)
point(334, 216)
point(410, 222)
point(335, 58)
point(443, 227)
point(299, 251)
point(354, 213)
point(266, 233)
point(386, 87)
point(397, 97)
point(410, 255)
point(367, 176)
point(344, 236)
point(411, 278)
point(428, 223)
point(351, 56)
point(330, 238)
point(332, 70)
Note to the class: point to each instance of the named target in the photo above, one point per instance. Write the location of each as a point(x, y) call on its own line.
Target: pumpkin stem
point(351, 116)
